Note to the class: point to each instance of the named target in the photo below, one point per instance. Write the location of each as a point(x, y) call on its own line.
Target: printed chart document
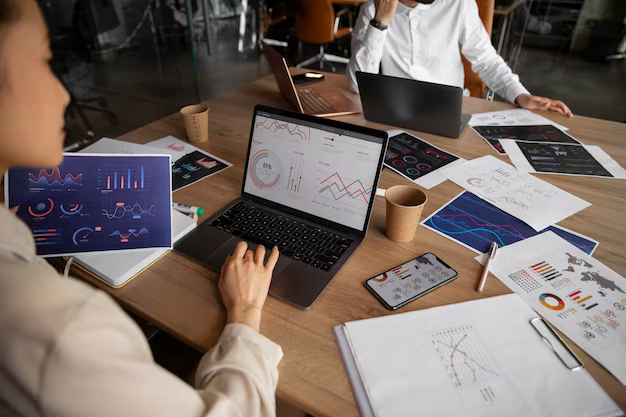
point(538, 133)
point(557, 158)
point(532, 200)
point(417, 160)
point(116, 269)
point(513, 117)
point(95, 203)
point(579, 295)
point(478, 358)
point(474, 223)
point(191, 164)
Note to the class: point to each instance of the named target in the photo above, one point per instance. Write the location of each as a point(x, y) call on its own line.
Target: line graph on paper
point(476, 223)
point(54, 178)
point(464, 357)
point(337, 189)
point(121, 210)
point(294, 130)
point(472, 371)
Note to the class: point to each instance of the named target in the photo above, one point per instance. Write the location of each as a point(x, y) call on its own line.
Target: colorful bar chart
point(295, 175)
point(126, 182)
point(581, 299)
point(401, 272)
point(545, 271)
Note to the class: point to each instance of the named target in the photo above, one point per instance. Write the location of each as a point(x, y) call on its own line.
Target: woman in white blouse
point(66, 349)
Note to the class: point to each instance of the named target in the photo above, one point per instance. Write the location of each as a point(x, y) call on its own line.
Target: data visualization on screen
point(323, 171)
point(93, 203)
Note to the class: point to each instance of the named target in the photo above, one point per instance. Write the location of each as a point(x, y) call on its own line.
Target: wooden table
point(181, 296)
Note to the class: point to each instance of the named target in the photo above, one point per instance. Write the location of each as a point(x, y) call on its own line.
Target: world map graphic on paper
point(574, 260)
point(601, 281)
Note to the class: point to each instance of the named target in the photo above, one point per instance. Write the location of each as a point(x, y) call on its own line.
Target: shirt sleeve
point(101, 365)
point(477, 48)
point(367, 45)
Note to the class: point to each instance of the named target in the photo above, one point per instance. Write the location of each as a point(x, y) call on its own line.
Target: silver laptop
point(309, 186)
point(314, 101)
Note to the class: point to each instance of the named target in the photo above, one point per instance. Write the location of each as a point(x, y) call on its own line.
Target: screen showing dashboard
point(93, 203)
point(320, 170)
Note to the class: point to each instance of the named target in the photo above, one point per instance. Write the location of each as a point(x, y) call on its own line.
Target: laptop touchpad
point(217, 258)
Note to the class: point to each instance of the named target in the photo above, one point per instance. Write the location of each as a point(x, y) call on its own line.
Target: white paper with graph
point(479, 358)
point(578, 294)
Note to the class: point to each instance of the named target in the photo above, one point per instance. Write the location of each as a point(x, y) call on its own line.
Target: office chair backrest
point(315, 20)
point(472, 81)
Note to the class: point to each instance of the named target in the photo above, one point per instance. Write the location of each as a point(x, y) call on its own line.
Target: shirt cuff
point(515, 90)
point(374, 37)
point(272, 350)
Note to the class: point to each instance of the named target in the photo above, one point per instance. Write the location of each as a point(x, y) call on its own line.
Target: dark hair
point(8, 11)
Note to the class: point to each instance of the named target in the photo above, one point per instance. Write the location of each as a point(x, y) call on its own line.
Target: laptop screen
point(321, 170)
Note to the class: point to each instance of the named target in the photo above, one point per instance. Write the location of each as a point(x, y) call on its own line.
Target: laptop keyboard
point(313, 103)
point(299, 241)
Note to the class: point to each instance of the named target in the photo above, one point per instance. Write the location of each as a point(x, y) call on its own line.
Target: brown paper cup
point(196, 122)
point(404, 208)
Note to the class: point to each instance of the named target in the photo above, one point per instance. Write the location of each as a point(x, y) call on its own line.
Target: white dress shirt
point(68, 350)
point(425, 43)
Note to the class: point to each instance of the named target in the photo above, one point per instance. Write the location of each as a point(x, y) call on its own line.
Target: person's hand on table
point(385, 9)
point(529, 102)
point(244, 283)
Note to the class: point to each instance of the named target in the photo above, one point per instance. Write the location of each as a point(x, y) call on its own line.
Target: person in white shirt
point(423, 40)
point(66, 348)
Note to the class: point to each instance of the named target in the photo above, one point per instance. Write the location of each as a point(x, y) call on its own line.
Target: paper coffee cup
point(196, 122)
point(403, 211)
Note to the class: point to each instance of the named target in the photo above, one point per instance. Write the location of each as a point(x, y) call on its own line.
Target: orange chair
point(317, 23)
point(473, 83)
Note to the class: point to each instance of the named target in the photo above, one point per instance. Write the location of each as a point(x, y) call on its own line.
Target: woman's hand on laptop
point(529, 102)
point(244, 283)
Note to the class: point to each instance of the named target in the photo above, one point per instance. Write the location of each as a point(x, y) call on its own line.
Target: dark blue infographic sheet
point(475, 223)
point(93, 203)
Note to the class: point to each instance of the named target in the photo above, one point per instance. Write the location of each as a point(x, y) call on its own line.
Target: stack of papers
point(479, 358)
point(575, 292)
point(536, 202)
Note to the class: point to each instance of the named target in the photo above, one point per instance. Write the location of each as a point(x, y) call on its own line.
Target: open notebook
point(116, 269)
point(490, 357)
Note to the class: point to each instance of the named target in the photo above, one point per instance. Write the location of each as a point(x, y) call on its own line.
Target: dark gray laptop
point(417, 105)
point(309, 186)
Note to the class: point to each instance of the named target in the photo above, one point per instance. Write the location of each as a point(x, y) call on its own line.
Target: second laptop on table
point(313, 101)
point(308, 188)
point(418, 105)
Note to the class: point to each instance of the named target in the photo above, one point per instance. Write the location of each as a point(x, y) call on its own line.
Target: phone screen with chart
point(323, 171)
point(411, 280)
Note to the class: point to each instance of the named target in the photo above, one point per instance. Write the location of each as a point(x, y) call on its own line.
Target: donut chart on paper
point(547, 296)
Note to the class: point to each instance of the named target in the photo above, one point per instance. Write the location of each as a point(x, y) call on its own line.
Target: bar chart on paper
point(116, 179)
